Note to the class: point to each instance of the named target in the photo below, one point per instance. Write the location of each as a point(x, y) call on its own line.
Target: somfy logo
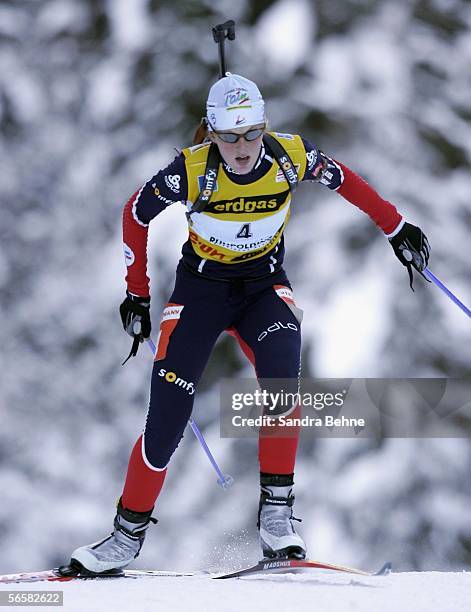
point(172, 378)
point(201, 178)
point(288, 169)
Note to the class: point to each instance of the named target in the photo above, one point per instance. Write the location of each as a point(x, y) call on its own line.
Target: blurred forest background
point(94, 97)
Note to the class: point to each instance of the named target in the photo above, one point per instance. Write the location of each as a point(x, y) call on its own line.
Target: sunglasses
point(232, 138)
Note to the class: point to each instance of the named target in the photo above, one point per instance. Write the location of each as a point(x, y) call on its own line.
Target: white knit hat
point(234, 102)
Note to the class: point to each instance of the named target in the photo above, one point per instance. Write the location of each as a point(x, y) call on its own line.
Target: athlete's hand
point(412, 249)
point(135, 316)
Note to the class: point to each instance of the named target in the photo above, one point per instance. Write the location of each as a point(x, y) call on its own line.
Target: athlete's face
point(243, 154)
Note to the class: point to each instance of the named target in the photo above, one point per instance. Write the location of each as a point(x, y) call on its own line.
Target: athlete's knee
point(281, 396)
point(156, 453)
point(284, 362)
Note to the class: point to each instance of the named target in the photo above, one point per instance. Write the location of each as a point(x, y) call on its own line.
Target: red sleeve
point(135, 249)
point(357, 191)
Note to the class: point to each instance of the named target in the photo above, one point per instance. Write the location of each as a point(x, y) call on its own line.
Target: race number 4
point(244, 231)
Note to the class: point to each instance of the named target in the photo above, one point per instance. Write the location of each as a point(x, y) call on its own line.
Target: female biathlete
point(236, 186)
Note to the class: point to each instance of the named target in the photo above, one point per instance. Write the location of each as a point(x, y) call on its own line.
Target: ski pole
point(446, 291)
point(224, 480)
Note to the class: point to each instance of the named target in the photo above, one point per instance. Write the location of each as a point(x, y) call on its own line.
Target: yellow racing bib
point(241, 222)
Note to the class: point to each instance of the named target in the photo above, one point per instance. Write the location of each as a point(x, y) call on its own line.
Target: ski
point(270, 566)
point(266, 566)
point(53, 575)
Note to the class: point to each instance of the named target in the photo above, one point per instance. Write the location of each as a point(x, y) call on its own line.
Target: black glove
point(412, 249)
point(135, 316)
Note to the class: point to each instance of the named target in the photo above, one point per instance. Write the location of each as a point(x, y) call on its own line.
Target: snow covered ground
point(417, 591)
